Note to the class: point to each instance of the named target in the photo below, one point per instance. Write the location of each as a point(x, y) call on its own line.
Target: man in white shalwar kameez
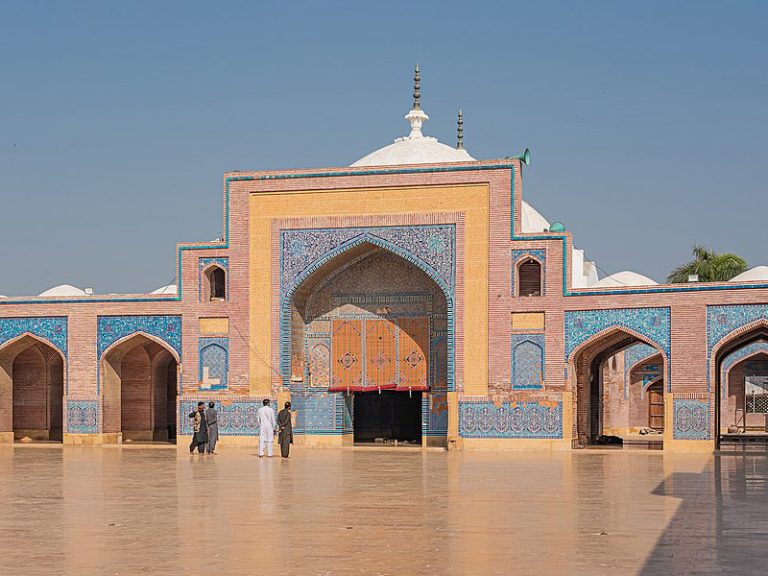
point(267, 427)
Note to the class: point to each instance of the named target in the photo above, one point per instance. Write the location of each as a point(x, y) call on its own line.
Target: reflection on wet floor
point(137, 510)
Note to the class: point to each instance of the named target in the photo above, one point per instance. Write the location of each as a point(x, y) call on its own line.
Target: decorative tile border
point(82, 417)
point(53, 329)
point(528, 365)
point(236, 418)
point(691, 419)
point(113, 328)
point(537, 254)
point(653, 323)
point(213, 354)
point(511, 420)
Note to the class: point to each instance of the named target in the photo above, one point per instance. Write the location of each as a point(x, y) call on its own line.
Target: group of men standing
point(205, 429)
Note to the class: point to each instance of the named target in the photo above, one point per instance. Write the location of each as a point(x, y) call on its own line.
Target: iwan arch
point(411, 297)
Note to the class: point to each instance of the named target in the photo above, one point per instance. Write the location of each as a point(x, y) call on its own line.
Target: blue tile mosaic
point(722, 320)
point(691, 419)
point(213, 365)
point(50, 328)
point(652, 323)
point(434, 245)
point(737, 356)
point(110, 329)
point(538, 254)
point(511, 420)
point(238, 418)
point(82, 417)
point(528, 361)
point(319, 412)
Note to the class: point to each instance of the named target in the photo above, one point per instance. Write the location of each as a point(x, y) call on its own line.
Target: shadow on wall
point(721, 526)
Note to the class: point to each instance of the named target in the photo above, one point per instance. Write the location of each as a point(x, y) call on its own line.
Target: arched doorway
point(139, 387)
point(612, 391)
point(741, 385)
point(370, 327)
point(32, 390)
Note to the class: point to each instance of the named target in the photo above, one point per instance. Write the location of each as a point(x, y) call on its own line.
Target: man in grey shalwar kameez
point(284, 425)
point(211, 418)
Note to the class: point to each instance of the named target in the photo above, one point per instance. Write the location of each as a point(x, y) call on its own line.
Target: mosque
point(413, 297)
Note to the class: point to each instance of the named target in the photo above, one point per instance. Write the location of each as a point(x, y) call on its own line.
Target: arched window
point(217, 283)
point(529, 278)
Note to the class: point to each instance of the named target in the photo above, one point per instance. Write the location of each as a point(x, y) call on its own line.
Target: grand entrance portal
point(371, 328)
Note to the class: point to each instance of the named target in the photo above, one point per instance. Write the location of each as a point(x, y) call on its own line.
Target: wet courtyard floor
point(92, 510)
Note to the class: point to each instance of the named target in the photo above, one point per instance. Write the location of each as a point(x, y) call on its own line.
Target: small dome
point(757, 273)
point(625, 278)
point(169, 289)
point(557, 227)
point(63, 290)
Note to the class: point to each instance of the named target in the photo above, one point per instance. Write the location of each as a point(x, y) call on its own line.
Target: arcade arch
point(31, 390)
point(603, 406)
point(139, 377)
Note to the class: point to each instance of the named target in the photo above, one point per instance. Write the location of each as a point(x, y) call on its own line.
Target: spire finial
point(416, 89)
point(416, 116)
point(460, 132)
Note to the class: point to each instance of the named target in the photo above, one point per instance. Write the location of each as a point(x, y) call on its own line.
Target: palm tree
point(709, 266)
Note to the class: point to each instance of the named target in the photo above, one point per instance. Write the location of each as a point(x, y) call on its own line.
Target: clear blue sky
point(646, 120)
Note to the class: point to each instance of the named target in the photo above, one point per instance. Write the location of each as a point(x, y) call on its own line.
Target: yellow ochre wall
point(471, 199)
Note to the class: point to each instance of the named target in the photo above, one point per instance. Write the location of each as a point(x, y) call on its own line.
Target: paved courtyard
point(110, 510)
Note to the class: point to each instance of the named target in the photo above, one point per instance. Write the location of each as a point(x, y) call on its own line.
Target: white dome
point(532, 221)
point(63, 290)
point(170, 289)
point(752, 275)
point(625, 278)
point(414, 150)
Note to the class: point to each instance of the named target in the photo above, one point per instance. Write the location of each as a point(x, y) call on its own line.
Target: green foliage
point(710, 267)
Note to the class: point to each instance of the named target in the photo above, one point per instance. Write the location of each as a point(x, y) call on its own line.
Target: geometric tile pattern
point(82, 417)
point(214, 356)
point(238, 418)
point(527, 361)
point(53, 329)
point(536, 254)
point(653, 323)
point(113, 328)
point(511, 420)
point(691, 419)
point(435, 413)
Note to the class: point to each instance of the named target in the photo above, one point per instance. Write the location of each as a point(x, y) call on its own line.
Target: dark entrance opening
point(387, 416)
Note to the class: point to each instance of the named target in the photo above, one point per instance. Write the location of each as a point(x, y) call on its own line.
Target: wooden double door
point(656, 406)
point(380, 354)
